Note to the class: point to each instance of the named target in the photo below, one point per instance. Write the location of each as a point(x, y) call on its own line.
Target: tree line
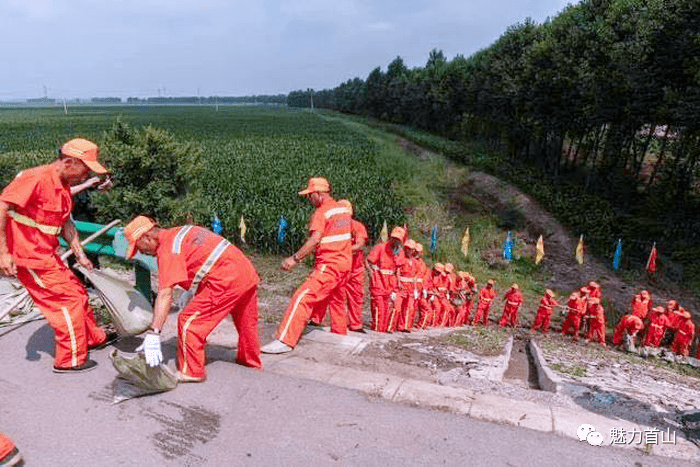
point(603, 100)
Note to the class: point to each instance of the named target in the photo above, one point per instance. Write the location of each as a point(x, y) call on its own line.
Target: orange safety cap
point(490, 282)
point(584, 290)
point(86, 151)
point(410, 244)
point(449, 267)
point(135, 230)
point(514, 286)
point(439, 267)
point(316, 185)
point(645, 293)
point(398, 233)
point(593, 284)
point(549, 292)
point(419, 247)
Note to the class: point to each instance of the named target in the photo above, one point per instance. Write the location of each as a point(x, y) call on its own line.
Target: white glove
point(415, 295)
point(432, 297)
point(393, 296)
point(447, 295)
point(425, 294)
point(151, 349)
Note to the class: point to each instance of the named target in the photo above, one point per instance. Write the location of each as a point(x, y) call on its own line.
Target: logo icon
point(587, 432)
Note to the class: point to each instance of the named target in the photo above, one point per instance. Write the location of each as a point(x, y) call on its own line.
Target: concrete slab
point(373, 384)
point(519, 413)
point(424, 394)
point(547, 379)
point(302, 368)
point(347, 341)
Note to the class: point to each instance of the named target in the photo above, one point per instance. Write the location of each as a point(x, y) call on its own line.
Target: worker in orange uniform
point(450, 312)
point(425, 281)
point(464, 290)
point(596, 330)
point(440, 291)
point(674, 317)
point(9, 454)
point(401, 318)
point(435, 278)
point(658, 322)
point(382, 263)
point(513, 299)
point(330, 239)
point(469, 291)
point(575, 307)
point(641, 304)
point(222, 280)
point(544, 312)
point(629, 325)
point(486, 296)
point(35, 209)
point(684, 334)
point(355, 285)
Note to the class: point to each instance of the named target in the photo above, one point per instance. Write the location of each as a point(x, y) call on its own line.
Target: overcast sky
point(144, 48)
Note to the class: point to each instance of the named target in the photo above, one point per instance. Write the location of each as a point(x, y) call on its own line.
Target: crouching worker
point(223, 280)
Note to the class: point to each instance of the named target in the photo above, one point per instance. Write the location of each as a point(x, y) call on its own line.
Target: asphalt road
point(242, 416)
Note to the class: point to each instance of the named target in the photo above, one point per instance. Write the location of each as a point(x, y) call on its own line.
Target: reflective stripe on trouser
point(509, 316)
point(206, 310)
point(482, 313)
point(335, 300)
point(448, 313)
point(403, 306)
point(379, 307)
point(62, 299)
point(315, 292)
point(355, 292)
point(425, 313)
point(542, 320)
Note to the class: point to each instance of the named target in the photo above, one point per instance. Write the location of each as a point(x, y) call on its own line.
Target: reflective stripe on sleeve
point(177, 243)
point(208, 264)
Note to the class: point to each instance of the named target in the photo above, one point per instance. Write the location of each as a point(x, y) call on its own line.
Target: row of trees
point(605, 95)
point(212, 100)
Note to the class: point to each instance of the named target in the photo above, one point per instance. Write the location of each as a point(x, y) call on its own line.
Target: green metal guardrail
point(112, 243)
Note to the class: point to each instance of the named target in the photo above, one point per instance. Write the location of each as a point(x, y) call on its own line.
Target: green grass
point(487, 341)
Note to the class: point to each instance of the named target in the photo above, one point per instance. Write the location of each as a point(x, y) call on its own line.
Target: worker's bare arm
point(7, 266)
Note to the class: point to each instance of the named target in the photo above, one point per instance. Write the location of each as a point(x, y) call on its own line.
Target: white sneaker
point(276, 346)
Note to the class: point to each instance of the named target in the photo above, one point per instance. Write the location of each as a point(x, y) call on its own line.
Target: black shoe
point(111, 338)
point(13, 458)
point(89, 365)
point(361, 330)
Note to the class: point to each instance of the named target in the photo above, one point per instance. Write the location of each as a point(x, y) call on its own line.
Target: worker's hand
point(447, 295)
point(432, 297)
point(105, 185)
point(7, 265)
point(393, 296)
point(84, 261)
point(288, 263)
point(151, 349)
point(415, 294)
point(425, 293)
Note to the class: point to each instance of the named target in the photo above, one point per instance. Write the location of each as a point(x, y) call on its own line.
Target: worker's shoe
point(9, 454)
point(361, 330)
point(183, 378)
point(111, 338)
point(89, 365)
point(276, 347)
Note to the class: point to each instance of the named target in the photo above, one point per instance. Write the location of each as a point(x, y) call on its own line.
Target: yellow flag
point(579, 251)
point(540, 250)
point(384, 234)
point(243, 229)
point(465, 243)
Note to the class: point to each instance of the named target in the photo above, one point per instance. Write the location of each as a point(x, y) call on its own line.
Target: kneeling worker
point(223, 280)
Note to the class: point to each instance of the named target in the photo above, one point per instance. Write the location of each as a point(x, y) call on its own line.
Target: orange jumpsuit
point(596, 329)
point(425, 308)
point(40, 204)
point(575, 309)
point(403, 315)
point(325, 286)
point(467, 288)
point(355, 288)
point(544, 314)
point(441, 287)
point(450, 316)
point(641, 306)
point(486, 296)
point(382, 282)
point(461, 310)
point(225, 283)
point(684, 337)
point(8, 451)
point(631, 324)
point(657, 328)
point(514, 299)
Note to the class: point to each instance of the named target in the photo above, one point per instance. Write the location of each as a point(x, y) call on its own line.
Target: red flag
point(651, 263)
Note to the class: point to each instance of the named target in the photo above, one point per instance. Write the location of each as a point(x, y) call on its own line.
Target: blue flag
point(216, 225)
point(508, 247)
point(433, 239)
point(282, 230)
point(618, 255)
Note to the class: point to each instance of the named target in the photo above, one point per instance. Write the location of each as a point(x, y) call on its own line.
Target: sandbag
point(137, 379)
point(130, 311)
